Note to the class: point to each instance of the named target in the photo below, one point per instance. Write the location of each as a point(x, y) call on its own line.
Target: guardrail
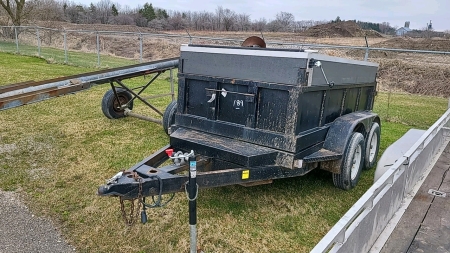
point(361, 226)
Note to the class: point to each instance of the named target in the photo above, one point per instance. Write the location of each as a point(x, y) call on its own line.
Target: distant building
point(403, 30)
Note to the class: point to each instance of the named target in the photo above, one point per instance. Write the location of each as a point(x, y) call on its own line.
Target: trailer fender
point(340, 132)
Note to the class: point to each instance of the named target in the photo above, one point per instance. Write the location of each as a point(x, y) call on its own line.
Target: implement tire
point(111, 106)
point(169, 116)
point(352, 163)
point(372, 146)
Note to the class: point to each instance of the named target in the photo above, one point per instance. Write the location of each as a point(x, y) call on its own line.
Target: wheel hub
point(356, 162)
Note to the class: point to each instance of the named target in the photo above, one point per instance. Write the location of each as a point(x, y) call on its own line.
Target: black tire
point(110, 104)
point(169, 116)
point(352, 163)
point(372, 146)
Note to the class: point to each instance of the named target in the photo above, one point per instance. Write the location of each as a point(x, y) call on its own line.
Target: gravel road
point(23, 232)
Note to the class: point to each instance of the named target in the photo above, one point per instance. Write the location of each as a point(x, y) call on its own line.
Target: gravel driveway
point(21, 231)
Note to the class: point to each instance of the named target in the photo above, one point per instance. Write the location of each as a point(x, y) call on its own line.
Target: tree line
point(18, 12)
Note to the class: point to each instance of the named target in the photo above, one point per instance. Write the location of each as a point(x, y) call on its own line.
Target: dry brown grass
point(425, 74)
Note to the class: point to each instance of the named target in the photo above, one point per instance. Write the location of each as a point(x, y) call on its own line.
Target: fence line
point(187, 38)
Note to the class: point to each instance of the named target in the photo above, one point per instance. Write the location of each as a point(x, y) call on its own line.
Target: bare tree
point(159, 24)
point(386, 28)
point(76, 14)
point(47, 10)
point(243, 21)
point(201, 20)
point(228, 19)
point(104, 11)
point(16, 10)
point(285, 20)
point(123, 19)
point(274, 26)
point(259, 25)
point(176, 21)
point(218, 18)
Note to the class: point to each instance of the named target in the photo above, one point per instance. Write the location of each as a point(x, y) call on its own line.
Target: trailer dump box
point(273, 102)
point(252, 114)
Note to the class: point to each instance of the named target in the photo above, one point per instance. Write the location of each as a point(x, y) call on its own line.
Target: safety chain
point(131, 218)
point(158, 202)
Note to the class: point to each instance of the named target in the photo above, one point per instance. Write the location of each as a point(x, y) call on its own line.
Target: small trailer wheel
point(372, 146)
point(111, 105)
point(352, 163)
point(169, 116)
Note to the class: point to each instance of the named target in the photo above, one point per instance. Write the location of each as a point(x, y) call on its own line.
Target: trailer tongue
point(251, 114)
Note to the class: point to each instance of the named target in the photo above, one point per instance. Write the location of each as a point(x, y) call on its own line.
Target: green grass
point(16, 69)
point(59, 151)
point(74, 58)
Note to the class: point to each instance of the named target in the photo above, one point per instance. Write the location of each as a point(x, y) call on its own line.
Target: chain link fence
point(403, 68)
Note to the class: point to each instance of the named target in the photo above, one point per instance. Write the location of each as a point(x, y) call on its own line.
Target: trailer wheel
point(111, 106)
point(352, 163)
point(372, 146)
point(169, 116)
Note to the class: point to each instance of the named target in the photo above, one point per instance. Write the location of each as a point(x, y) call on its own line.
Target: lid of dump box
point(284, 66)
point(263, 65)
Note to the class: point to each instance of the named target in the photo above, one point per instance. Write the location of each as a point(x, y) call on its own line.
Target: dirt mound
point(413, 78)
point(416, 44)
point(340, 29)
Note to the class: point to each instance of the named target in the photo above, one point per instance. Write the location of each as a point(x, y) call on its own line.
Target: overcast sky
point(396, 12)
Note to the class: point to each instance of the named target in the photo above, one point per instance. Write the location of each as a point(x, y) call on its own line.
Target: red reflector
point(169, 152)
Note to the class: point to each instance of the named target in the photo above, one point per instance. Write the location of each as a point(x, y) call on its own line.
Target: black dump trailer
point(250, 115)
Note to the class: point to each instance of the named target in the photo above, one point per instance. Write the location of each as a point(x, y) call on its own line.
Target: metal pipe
point(65, 46)
point(128, 112)
point(138, 97)
point(97, 78)
point(38, 41)
point(98, 50)
point(172, 89)
point(17, 39)
point(366, 56)
point(140, 47)
point(192, 197)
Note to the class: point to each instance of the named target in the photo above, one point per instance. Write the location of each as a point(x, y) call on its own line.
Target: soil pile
point(416, 44)
point(340, 29)
point(415, 79)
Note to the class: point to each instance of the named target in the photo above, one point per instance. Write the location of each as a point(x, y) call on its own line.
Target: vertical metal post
point(140, 47)
point(98, 50)
point(65, 46)
point(366, 56)
point(448, 103)
point(172, 89)
point(38, 42)
point(17, 39)
point(192, 196)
